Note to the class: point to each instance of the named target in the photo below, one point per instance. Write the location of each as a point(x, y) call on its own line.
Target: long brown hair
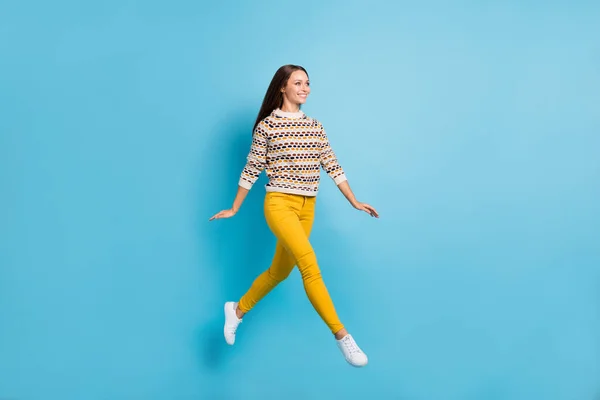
point(274, 98)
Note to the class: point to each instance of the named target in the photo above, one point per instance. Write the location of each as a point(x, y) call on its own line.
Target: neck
point(289, 107)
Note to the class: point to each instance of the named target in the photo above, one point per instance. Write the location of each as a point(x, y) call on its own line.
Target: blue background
point(473, 128)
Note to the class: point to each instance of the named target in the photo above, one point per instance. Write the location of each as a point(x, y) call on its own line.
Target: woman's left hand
point(366, 208)
point(223, 214)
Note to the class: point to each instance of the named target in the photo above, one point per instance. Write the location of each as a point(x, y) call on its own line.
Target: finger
point(372, 211)
point(216, 216)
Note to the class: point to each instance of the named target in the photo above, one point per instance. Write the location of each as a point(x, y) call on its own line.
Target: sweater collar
point(286, 114)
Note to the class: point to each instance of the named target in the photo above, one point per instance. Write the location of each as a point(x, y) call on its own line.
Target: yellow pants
point(290, 218)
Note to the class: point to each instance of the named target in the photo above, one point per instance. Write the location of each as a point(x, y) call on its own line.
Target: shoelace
point(351, 346)
point(231, 328)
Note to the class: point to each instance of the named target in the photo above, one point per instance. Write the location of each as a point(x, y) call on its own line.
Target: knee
point(279, 276)
point(309, 268)
point(307, 260)
point(310, 275)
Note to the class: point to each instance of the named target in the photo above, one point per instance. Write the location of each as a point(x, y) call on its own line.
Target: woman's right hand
point(223, 214)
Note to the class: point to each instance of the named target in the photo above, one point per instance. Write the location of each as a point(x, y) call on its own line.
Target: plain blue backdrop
point(472, 127)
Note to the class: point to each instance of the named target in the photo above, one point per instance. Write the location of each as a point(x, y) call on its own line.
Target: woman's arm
point(256, 162)
point(237, 203)
point(347, 192)
point(239, 198)
point(333, 168)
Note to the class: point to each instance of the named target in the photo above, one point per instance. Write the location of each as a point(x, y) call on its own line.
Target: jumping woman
point(292, 148)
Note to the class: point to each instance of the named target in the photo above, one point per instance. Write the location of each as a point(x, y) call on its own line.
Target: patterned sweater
point(292, 148)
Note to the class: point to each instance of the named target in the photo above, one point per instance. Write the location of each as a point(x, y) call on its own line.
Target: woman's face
point(297, 89)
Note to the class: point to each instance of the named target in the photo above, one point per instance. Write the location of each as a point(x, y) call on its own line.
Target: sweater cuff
point(245, 184)
point(339, 179)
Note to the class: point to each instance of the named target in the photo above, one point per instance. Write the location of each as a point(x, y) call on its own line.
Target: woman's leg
point(284, 214)
point(290, 219)
point(281, 266)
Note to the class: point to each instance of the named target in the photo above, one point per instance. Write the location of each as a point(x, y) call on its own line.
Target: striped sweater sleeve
point(257, 158)
point(329, 160)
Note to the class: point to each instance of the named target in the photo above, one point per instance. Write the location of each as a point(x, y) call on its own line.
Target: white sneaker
point(352, 353)
point(231, 322)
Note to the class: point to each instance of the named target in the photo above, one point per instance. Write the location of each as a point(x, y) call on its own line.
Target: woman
point(292, 148)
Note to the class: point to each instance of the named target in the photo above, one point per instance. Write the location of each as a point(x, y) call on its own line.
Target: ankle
point(239, 312)
point(341, 333)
